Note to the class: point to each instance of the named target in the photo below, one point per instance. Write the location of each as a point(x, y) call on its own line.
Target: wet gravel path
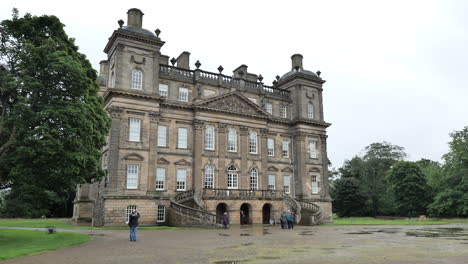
point(267, 244)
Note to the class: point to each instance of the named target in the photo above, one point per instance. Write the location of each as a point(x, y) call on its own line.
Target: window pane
point(269, 108)
point(209, 138)
point(285, 148)
point(232, 178)
point(313, 149)
point(271, 147)
point(253, 179)
point(182, 138)
point(310, 111)
point(137, 77)
point(161, 217)
point(286, 184)
point(232, 140)
point(132, 176)
point(160, 178)
point(283, 111)
point(163, 90)
point(209, 177)
point(271, 182)
point(134, 129)
point(314, 184)
point(162, 134)
point(183, 94)
point(253, 143)
point(181, 177)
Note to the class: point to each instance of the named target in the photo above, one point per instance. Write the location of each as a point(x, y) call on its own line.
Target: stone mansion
point(187, 145)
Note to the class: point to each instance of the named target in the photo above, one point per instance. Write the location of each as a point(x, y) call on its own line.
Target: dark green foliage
point(349, 198)
point(452, 200)
point(53, 124)
point(410, 189)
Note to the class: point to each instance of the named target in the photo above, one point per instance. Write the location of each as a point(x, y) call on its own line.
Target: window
point(310, 111)
point(271, 182)
point(134, 129)
point(253, 143)
point(181, 177)
point(137, 79)
point(232, 178)
point(162, 136)
point(314, 185)
point(182, 139)
point(132, 176)
point(161, 216)
point(313, 149)
point(209, 138)
point(283, 111)
point(271, 147)
point(253, 179)
point(285, 148)
point(286, 184)
point(232, 140)
point(160, 178)
point(163, 90)
point(129, 211)
point(183, 94)
point(209, 177)
point(269, 108)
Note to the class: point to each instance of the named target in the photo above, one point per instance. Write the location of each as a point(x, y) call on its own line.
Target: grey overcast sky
point(396, 70)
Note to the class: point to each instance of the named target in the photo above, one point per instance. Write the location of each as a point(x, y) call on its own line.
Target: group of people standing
point(287, 219)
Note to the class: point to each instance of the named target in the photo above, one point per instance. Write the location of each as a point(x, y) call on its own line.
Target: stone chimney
point(183, 61)
point(135, 17)
point(104, 65)
point(296, 61)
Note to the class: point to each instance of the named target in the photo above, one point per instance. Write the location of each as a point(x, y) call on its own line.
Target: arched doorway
point(245, 214)
point(220, 210)
point(266, 213)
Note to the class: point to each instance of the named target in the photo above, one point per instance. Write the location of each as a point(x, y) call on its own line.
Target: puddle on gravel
point(306, 233)
point(360, 233)
point(439, 232)
point(247, 244)
point(245, 235)
point(228, 262)
point(223, 234)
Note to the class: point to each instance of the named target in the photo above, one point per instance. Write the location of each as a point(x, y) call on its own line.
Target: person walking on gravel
point(225, 220)
point(133, 223)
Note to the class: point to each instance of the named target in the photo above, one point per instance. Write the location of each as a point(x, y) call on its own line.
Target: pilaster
point(114, 142)
point(197, 182)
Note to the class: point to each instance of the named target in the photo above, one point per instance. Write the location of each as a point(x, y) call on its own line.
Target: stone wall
point(115, 211)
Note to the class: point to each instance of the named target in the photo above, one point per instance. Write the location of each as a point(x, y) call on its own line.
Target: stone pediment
point(182, 162)
point(134, 156)
point(287, 169)
point(233, 103)
point(163, 161)
point(313, 169)
point(272, 168)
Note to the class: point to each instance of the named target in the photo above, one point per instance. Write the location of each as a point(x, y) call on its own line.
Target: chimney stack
point(296, 61)
point(135, 17)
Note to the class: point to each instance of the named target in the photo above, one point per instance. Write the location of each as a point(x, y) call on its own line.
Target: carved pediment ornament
point(115, 111)
point(244, 131)
point(162, 161)
point(233, 103)
point(287, 169)
point(182, 162)
point(198, 124)
point(134, 156)
point(222, 127)
point(272, 168)
point(132, 59)
point(313, 169)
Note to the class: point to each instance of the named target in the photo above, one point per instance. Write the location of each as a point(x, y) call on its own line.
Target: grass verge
point(16, 243)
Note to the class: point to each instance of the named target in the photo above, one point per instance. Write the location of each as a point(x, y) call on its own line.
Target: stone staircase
point(307, 213)
point(187, 210)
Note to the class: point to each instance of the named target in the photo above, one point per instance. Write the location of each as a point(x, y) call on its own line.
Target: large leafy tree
point(410, 189)
point(452, 200)
point(52, 124)
point(348, 198)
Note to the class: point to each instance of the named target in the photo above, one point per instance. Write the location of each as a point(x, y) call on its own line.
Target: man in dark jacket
point(133, 223)
point(225, 220)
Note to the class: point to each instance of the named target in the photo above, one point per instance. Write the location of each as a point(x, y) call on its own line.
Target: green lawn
point(64, 223)
point(15, 243)
point(373, 221)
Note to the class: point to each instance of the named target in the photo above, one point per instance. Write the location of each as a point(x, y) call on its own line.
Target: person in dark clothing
point(284, 220)
point(290, 218)
point(243, 222)
point(225, 220)
point(133, 223)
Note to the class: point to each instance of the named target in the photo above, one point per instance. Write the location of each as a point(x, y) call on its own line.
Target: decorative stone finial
point(220, 69)
point(277, 77)
point(260, 78)
point(121, 22)
point(157, 31)
point(318, 73)
point(275, 82)
point(197, 64)
point(173, 61)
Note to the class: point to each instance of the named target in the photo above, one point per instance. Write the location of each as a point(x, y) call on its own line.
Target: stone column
point(113, 148)
point(263, 184)
point(300, 173)
point(325, 192)
point(152, 155)
point(197, 182)
point(220, 176)
point(322, 118)
point(244, 153)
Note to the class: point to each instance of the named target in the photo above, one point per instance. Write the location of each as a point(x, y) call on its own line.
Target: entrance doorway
point(245, 214)
point(266, 213)
point(220, 210)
